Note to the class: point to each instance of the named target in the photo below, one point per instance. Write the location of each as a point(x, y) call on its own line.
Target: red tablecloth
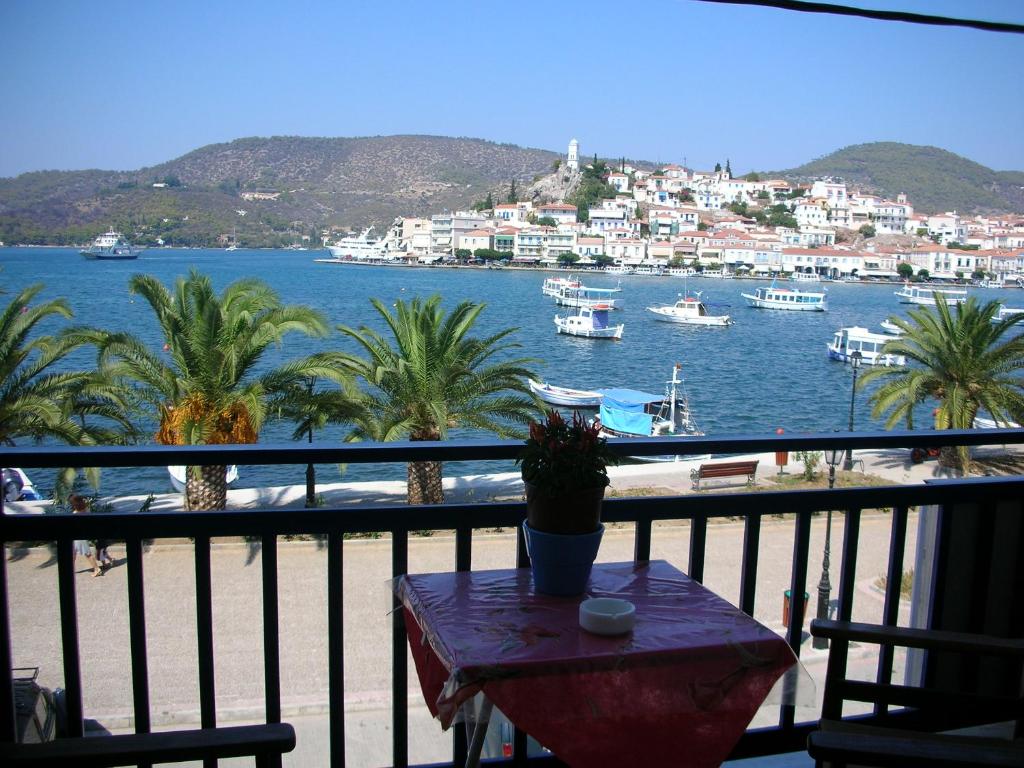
point(680, 689)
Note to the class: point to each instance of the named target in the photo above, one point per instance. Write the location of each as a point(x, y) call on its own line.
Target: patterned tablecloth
point(680, 689)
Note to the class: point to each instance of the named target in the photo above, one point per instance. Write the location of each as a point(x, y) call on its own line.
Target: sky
point(124, 85)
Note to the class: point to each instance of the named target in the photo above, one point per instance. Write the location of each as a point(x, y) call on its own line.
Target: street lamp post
point(855, 359)
point(832, 458)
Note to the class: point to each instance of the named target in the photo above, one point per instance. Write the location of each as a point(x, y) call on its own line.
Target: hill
point(318, 183)
point(934, 180)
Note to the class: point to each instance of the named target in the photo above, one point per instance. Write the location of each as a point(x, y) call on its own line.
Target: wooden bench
point(265, 742)
point(746, 469)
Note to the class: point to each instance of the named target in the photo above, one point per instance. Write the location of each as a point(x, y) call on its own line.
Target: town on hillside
point(675, 219)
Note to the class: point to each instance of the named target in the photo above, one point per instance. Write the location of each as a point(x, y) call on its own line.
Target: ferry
point(681, 272)
point(552, 286)
point(805, 277)
point(1005, 312)
point(618, 269)
point(689, 310)
point(360, 247)
point(770, 297)
point(856, 339)
point(111, 246)
point(566, 396)
point(913, 294)
point(649, 269)
point(582, 296)
point(590, 322)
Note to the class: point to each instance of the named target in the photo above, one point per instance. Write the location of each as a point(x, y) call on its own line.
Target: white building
point(562, 213)
point(572, 159)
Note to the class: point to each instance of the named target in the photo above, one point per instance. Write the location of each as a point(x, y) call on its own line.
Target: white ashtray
point(607, 615)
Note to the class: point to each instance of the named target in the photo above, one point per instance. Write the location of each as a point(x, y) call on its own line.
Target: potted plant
point(564, 468)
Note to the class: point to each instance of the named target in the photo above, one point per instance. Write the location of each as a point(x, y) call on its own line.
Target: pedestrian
point(82, 547)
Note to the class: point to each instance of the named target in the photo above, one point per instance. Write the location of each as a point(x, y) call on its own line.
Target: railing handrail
point(483, 449)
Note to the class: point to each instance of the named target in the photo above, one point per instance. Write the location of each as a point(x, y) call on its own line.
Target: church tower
point(572, 161)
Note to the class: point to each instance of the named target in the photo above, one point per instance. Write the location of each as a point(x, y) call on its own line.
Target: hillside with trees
point(315, 183)
point(933, 179)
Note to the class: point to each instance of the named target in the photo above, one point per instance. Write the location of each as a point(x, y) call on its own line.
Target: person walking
point(82, 547)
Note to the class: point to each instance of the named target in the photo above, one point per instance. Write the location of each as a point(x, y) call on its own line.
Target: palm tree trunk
point(206, 488)
point(425, 478)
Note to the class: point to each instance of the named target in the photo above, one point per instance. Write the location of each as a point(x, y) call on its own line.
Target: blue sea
point(767, 371)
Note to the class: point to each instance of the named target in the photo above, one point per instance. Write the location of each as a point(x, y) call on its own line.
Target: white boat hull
point(580, 301)
point(668, 315)
point(754, 301)
point(567, 326)
point(571, 398)
point(176, 472)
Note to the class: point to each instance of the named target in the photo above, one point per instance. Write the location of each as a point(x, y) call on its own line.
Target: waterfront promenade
point(303, 620)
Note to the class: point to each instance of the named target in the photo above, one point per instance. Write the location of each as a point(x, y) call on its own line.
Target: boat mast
point(672, 399)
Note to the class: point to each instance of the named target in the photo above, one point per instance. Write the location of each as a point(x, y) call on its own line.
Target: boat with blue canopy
point(582, 296)
point(591, 323)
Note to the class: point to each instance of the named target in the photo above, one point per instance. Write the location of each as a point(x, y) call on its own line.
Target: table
point(680, 689)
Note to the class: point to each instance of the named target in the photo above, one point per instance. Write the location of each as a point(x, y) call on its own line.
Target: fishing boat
point(360, 247)
point(571, 398)
point(630, 413)
point(177, 473)
point(915, 294)
point(582, 296)
point(891, 328)
point(847, 341)
point(770, 297)
point(689, 310)
point(590, 322)
point(111, 246)
point(552, 286)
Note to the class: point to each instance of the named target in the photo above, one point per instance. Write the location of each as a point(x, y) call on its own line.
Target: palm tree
point(203, 387)
point(435, 378)
point(964, 360)
point(39, 401)
point(312, 409)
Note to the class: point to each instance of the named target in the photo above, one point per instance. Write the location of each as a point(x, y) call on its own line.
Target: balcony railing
point(335, 523)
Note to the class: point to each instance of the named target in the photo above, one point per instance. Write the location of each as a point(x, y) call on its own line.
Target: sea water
point(767, 371)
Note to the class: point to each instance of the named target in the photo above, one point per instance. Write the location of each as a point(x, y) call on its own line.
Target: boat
point(981, 422)
point(589, 322)
point(572, 398)
point(689, 310)
point(630, 413)
point(360, 247)
point(681, 272)
point(805, 277)
point(17, 486)
point(914, 294)
point(111, 246)
point(891, 328)
point(991, 283)
point(1005, 312)
point(177, 474)
point(649, 269)
point(618, 269)
point(582, 296)
point(856, 339)
point(770, 297)
point(713, 273)
point(553, 285)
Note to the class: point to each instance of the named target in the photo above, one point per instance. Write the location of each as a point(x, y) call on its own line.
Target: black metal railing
point(334, 523)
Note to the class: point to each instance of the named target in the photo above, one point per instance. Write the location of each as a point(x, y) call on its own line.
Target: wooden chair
point(909, 736)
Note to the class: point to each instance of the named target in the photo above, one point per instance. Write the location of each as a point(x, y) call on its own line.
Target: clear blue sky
point(122, 85)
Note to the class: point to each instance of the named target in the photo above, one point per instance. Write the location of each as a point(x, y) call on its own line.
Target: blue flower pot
point(561, 562)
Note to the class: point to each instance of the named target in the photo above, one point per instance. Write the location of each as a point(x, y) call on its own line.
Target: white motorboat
point(681, 272)
point(572, 398)
point(1005, 312)
point(177, 473)
point(590, 322)
point(689, 310)
point(618, 269)
point(629, 413)
point(582, 296)
point(914, 294)
point(649, 269)
point(805, 277)
point(770, 297)
point(111, 246)
point(360, 247)
point(17, 486)
point(856, 339)
point(981, 422)
point(552, 286)
point(891, 328)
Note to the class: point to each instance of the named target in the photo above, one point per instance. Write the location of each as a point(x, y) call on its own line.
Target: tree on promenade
point(435, 377)
point(959, 358)
point(203, 387)
point(40, 401)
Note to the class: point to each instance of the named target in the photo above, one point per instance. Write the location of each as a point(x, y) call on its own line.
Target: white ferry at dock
point(581, 296)
point(914, 294)
point(856, 339)
point(792, 299)
point(360, 248)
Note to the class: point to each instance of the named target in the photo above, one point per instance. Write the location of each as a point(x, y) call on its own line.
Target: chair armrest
point(163, 747)
point(923, 749)
point(928, 639)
